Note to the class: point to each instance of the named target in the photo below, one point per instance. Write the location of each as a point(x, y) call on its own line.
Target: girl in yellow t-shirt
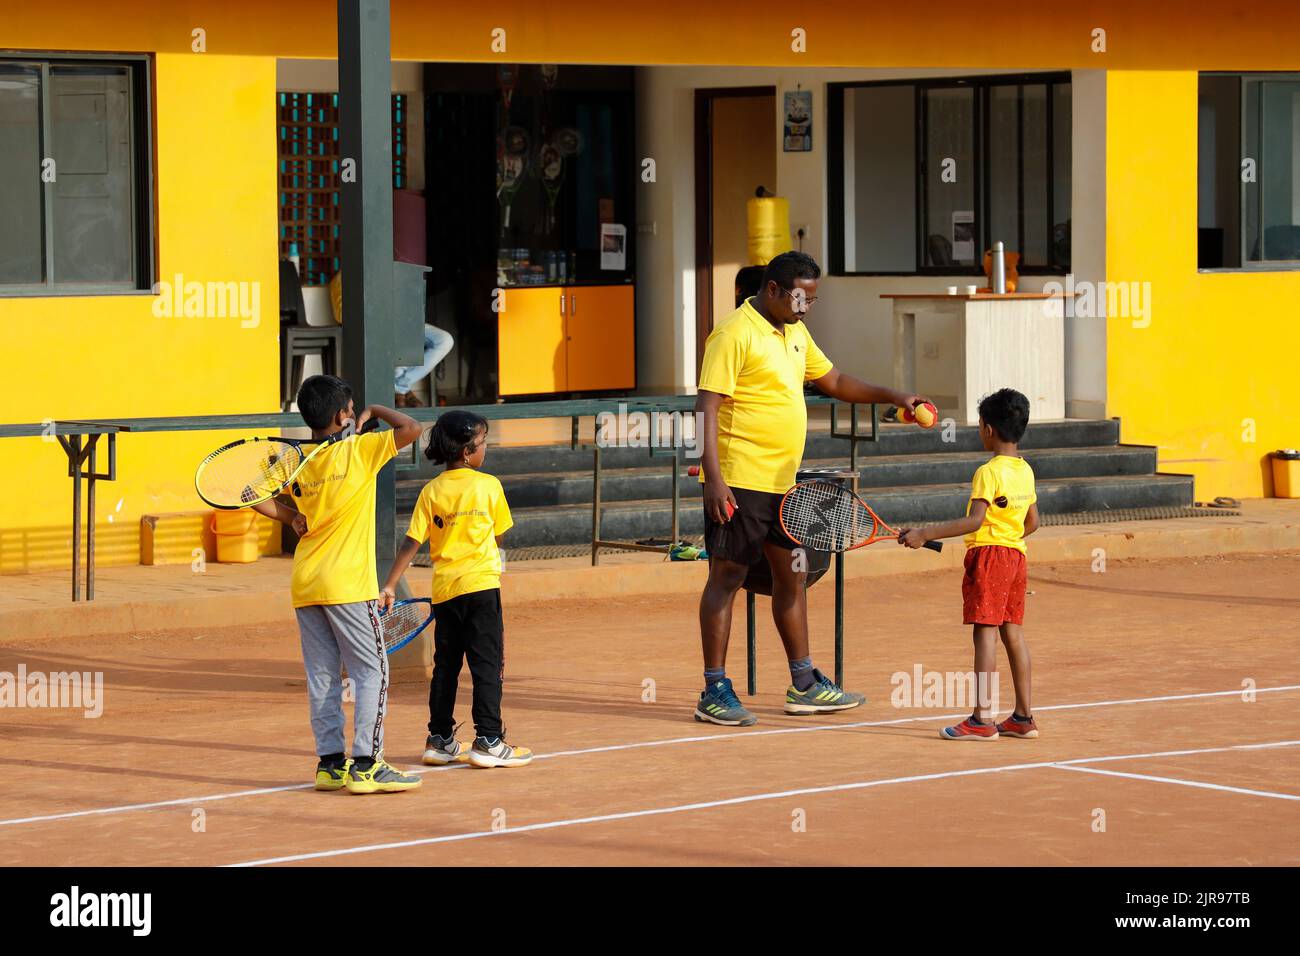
point(462, 513)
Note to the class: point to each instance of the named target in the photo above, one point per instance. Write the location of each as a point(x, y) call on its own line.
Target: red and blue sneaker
point(1016, 726)
point(969, 730)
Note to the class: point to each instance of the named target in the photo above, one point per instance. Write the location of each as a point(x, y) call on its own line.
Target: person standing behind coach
point(755, 423)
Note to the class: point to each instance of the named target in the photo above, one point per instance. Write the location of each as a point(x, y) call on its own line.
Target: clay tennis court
point(1138, 681)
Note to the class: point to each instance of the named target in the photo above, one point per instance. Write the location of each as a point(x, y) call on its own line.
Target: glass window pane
point(1062, 166)
point(1035, 209)
point(1218, 172)
point(1004, 167)
point(1273, 201)
point(22, 243)
point(91, 128)
point(951, 232)
point(880, 179)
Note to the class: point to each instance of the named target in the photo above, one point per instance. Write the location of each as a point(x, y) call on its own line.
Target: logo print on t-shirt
point(1000, 501)
point(437, 520)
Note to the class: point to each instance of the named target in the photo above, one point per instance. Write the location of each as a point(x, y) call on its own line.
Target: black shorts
point(757, 519)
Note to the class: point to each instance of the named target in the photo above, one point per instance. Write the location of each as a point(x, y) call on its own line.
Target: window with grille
point(309, 167)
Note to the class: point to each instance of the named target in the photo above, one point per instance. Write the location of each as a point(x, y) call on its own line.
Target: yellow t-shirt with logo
point(335, 561)
point(763, 422)
point(461, 513)
point(1007, 484)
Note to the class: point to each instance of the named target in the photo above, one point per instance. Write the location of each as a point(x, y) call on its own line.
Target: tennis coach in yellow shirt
point(755, 422)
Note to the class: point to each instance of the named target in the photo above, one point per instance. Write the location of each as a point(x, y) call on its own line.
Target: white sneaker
point(495, 752)
point(439, 751)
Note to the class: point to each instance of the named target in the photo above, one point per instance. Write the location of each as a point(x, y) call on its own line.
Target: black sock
point(1020, 717)
point(333, 760)
point(363, 763)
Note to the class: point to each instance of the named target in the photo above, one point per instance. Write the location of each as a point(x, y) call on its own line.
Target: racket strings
point(826, 517)
point(401, 620)
point(249, 472)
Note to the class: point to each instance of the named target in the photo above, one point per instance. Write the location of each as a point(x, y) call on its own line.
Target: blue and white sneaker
point(823, 696)
point(720, 705)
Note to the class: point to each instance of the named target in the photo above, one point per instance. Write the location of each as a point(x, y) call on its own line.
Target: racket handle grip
point(933, 545)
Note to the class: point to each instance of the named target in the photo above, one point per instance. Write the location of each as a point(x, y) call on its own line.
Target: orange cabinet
point(601, 338)
point(566, 339)
point(530, 342)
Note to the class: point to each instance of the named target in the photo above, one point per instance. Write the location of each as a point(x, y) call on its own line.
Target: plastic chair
point(298, 339)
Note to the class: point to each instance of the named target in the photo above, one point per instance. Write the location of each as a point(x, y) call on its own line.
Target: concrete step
point(894, 440)
point(645, 483)
point(570, 523)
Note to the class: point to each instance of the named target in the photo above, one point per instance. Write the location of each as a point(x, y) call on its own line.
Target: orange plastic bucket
point(236, 534)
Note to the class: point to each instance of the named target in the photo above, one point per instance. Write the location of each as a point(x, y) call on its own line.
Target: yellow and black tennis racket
point(825, 516)
point(252, 470)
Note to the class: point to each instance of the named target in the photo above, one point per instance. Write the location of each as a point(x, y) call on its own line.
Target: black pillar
point(366, 235)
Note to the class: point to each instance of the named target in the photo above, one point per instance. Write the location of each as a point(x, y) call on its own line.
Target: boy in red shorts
point(1002, 512)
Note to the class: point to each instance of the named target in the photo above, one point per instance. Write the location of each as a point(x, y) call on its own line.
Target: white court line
point(1183, 783)
point(737, 735)
point(734, 801)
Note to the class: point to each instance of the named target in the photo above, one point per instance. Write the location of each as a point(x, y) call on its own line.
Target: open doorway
point(735, 153)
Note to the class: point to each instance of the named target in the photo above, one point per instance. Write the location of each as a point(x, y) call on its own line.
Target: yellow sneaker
point(381, 777)
point(332, 776)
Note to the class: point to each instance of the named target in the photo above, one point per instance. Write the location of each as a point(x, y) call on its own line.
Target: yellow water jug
point(768, 222)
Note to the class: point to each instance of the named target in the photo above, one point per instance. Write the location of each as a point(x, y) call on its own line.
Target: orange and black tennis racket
point(825, 516)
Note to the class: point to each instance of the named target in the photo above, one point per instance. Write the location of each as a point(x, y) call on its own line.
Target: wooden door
point(530, 344)
point(601, 337)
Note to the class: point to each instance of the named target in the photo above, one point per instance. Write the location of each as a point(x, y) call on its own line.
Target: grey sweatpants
point(334, 635)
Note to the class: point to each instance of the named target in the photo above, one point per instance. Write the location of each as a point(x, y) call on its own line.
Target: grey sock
point(801, 673)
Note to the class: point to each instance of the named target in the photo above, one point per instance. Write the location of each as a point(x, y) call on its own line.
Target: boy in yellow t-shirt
point(462, 513)
point(335, 588)
point(1002, 512)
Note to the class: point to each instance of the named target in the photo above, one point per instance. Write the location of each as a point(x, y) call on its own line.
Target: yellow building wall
point(1217, 351)
point(111, 356)
point(1212, 380)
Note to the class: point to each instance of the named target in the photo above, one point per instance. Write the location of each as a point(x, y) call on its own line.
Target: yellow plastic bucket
point(236, 534)
point(1286, 473)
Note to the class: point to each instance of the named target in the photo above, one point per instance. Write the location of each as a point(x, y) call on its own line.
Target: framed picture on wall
point(798, 121)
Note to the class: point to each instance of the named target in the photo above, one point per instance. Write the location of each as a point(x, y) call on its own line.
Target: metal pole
point(595, 506)
point(853, 437)
point(839, 619)
point(751, 643)
point(366, 237)
point(90, 521)
point(677, 496)
point(76, 517)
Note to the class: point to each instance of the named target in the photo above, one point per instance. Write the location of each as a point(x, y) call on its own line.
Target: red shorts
point(993, 589)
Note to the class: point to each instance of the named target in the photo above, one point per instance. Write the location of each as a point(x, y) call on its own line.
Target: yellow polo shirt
point(1007, 484)
point(335, 561)
point(461, 513)
point(763, 423)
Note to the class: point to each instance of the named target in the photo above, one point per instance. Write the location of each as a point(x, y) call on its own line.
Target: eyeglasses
point(796, 296)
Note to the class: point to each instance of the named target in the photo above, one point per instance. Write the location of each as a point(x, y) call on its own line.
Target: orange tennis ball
point(926, 415)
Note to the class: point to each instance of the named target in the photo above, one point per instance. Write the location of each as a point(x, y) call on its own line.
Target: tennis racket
point(252, 470)
point(828, 517)
point(405, 621)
